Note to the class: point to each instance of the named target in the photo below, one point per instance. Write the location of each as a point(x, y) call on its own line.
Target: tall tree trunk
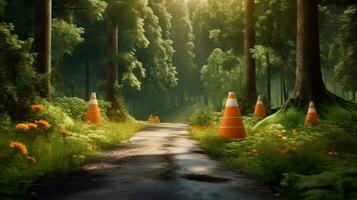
point(309, 85)
point(118, 111)
point(43, 17)
point(268, 81)
point(354, 95)
point(112, 63)
point(87, 86)
point(250, 90)
point(285, 91)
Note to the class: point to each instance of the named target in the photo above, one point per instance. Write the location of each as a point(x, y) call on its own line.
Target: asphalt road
point(158, 163)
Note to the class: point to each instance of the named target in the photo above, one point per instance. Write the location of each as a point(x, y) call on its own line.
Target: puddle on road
point(205, 178)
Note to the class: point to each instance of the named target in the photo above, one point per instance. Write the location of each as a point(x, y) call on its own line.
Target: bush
point(75, 107)
point(18, 80)
point(204, 118)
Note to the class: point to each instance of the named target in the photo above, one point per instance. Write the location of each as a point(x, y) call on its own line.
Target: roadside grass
point(297, 162)
point(57, 144)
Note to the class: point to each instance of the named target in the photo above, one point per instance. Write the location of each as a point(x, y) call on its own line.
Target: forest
point(178, 59)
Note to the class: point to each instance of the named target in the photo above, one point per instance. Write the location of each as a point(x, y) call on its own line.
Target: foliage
point(299, 157)
point(220, 75)
point(18, 80)
point(56, 143)
point(65, 37)
point(345, 47)
point(75, 107)
point(204, 118)
point(337, 182)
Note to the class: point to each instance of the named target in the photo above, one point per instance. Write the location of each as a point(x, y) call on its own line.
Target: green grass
point(54, 152)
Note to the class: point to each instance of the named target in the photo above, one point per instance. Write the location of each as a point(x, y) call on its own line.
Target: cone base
point(232, 132)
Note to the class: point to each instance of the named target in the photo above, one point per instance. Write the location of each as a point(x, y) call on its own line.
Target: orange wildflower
point(38, 107)
point(22, 127)
point(65, 133)
point(332, 153)
point(253, 152)
point(43, 123)
point(280, 136)
point(32, 125)
point(19, 146)
point(31, 159)
point(287, 149)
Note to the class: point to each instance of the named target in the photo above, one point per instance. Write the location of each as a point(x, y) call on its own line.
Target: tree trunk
point(112, 63)
point(87, 86)
point(250, 90)
point(43, 17)
point(268, 103)
point(118, 111)
point(309, 85)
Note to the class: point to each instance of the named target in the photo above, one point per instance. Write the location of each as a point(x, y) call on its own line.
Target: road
point(159, 163)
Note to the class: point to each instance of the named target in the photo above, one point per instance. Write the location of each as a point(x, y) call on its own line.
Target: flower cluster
point(38, 108)
point(22, 127)
point(64, 133)
point(43, 123)
point(19, 146)
point(31, 159)
point(30, 126)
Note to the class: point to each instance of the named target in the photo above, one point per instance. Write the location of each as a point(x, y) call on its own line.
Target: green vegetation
point(53, 139)
point(298, 162)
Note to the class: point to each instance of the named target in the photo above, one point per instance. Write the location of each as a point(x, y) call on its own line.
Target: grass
point(292, 159)
point(61, 147)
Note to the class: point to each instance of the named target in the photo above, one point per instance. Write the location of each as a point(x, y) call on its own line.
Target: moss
point(294, 118)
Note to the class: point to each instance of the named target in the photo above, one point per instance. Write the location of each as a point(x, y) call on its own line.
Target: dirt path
point(161, 163)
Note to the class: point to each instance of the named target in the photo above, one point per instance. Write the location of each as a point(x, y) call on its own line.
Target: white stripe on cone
point(232, 103)
point(259, 101)
point(93, 99)
point(311, 108)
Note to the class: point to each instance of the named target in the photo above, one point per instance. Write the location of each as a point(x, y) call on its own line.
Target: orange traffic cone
point(259, 108)
point(232, 124)
point(93, 113)
point(311, 117)
point(157, 119)
point(151, 119)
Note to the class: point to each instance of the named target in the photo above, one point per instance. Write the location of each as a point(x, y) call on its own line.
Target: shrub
point(18, 80)
point(204, 118)
point(75, 107)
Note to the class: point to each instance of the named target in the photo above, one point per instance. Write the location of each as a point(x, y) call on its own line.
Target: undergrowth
point(299, 163)
point(52, 140)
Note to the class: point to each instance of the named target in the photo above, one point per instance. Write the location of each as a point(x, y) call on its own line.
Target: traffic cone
point(259, 108)
point(93, 113)
point(157, 119)
point(151, 119)
point(232, 124)
point(311, 117)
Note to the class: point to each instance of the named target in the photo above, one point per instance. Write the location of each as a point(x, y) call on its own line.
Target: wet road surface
point(159, 163)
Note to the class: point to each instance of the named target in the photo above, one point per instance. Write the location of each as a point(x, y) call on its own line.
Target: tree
point(18, 80)
point(182, 34)
point(130, 21)
point(250, 89)
point(220, 75)
point(309, 85)
point(43, 17)
point(346, 51)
